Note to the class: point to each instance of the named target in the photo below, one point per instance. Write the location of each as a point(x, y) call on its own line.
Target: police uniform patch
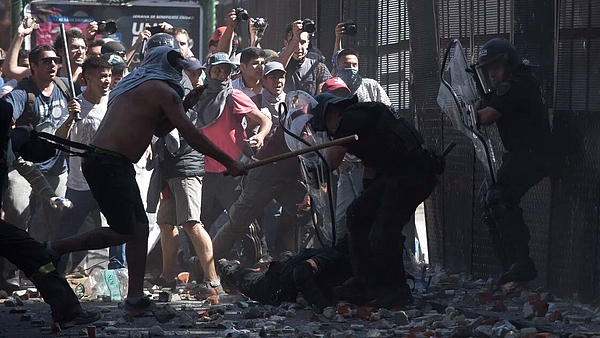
point(502, 88)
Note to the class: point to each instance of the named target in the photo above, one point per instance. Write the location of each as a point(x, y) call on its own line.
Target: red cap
point(218, 33)
point(334, 84)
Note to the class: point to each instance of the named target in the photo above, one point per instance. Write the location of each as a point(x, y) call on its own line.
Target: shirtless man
point(146, 103)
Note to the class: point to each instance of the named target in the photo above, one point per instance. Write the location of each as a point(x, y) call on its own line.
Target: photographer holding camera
point(303, 73)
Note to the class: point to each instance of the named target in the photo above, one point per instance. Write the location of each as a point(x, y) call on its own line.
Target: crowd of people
point(195, 121)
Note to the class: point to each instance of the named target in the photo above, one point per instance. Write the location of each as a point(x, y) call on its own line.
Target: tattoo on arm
point(176, 98)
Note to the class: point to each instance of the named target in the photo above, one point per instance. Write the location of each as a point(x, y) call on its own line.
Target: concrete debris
point(329, 312)
point(156, 331)
point(373, 334)
point(164, 314)
point(401, 318)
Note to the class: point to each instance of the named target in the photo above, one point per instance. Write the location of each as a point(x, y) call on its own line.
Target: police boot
point(66, 310)
point(354, 290)
point(392, 296)
point(498, 242)
point(522, 270)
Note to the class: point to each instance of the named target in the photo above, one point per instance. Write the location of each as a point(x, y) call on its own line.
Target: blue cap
point(220, 59)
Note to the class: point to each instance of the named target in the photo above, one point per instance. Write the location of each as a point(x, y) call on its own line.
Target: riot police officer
point(399, 174)
point(513, 101)
point(25, 252)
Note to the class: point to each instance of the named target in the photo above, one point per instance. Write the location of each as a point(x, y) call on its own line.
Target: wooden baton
point(294, 153)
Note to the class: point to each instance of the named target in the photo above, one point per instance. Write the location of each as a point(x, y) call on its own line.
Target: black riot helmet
point(161, 39)
point(498, 49)
point(318, 122)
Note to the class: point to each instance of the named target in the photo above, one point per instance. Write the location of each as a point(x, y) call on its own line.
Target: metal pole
point(16, 15)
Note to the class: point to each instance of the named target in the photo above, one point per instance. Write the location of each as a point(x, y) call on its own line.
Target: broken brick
point(203, 314)
point(540, 307)
point(313, 317)
point(554, 316)
point(484, 297)
point(417, 329)
point(499, 307)
point(364, 312)
point(490, 321)
point(343, 309)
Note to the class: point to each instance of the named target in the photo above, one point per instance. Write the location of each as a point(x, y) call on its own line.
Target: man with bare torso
point(146, 103)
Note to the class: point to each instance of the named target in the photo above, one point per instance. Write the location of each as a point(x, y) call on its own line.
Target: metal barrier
point(399, 42)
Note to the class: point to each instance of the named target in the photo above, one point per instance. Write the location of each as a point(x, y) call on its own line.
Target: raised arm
point(286, 55)
point(226, 42)
point(11, 67)
point(339, 34)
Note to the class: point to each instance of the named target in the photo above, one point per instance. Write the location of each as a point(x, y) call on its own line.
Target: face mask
point(351, 77)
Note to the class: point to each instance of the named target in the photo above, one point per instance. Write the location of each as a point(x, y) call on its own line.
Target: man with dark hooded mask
point(147, 103)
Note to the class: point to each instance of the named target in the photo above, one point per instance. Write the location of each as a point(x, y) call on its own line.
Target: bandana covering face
point(349, 75)
point(212, 101)
point(156, 66)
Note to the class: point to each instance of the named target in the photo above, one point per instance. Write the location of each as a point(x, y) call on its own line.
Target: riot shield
point(314, 170)
point(457, 96)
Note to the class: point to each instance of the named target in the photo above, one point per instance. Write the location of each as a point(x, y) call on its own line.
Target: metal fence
point(400, 42)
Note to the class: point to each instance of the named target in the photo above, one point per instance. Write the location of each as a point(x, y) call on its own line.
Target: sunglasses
point(56, 59)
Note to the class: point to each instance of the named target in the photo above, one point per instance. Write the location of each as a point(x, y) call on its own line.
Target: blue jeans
point(71, 221)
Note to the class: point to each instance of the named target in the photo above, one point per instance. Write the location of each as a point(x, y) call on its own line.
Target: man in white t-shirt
point(97, 75)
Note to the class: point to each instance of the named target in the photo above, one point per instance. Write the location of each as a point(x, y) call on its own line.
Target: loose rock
point(156, 331)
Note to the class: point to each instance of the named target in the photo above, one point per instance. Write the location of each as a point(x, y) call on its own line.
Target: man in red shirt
point(221, 111)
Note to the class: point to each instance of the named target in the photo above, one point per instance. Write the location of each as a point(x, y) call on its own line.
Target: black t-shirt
point(524, 123)
point(380, 142)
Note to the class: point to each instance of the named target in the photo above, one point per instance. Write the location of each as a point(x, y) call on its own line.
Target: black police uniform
point(30, 256)
point(525, 132)
point(405, 178)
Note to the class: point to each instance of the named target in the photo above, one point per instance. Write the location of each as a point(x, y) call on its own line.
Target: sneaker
point(226, 270)
point(80, 318)
point(207, 288)
point(86, 317)
point(522, 270)
point(163, 282)
point(8, 287)
point(140, 308)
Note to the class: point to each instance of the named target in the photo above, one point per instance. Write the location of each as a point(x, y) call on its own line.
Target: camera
point(107, 27)
point(241, 14)
point(308, 25)
point(155, 30)
point(350, 28)
point(260, 23)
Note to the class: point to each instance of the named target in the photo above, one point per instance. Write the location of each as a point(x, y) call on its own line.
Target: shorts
point(113, 185)
point(182, 202)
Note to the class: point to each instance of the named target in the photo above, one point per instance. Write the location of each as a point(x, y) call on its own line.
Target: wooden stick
point(294, 153)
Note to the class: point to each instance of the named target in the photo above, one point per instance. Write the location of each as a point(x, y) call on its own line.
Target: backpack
point(28, 117)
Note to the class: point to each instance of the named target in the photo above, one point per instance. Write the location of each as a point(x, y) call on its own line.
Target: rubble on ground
point(450, 305)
